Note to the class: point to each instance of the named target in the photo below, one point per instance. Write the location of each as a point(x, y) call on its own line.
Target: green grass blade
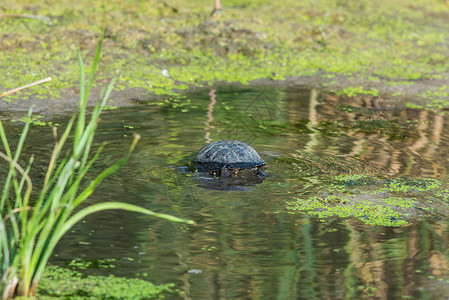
point(107, 94)
point(55, 155)
point(7, 184)
point(22, 181)
point(53, 175)
point(95, 63)
point(82, 104)
point(95, 116)
point(4, 248)
point(85, 89)
point(82, 80)
point(89, 190)
point(116, 205)
point(58, 234)
point(75, 186)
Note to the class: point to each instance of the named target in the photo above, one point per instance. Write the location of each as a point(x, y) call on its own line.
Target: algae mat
point(158, 49)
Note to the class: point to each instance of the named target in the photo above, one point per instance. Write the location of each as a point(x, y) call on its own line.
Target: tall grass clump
point(31, 224)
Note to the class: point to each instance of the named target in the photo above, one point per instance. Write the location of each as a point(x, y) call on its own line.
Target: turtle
point(228, 157)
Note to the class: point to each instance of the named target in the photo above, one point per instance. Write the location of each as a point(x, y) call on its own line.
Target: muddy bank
point(410, 92)
point(160, 51)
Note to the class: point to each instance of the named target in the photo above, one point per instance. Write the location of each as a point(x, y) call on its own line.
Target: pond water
point(247, 244)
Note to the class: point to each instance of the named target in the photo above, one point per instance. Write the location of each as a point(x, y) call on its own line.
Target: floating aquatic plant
point(375, 201)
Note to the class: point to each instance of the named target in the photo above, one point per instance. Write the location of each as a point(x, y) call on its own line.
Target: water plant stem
point(13, 91)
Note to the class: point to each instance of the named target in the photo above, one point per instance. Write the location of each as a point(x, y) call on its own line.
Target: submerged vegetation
point(32, 222)
point(165, 47)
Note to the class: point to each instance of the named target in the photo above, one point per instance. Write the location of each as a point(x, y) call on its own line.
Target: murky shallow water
point(245, 244)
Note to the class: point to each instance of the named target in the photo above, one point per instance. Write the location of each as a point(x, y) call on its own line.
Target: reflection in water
point(244, 244)
point(243, 181)
point(391, 141)
point(313, 104)
point(210, 117)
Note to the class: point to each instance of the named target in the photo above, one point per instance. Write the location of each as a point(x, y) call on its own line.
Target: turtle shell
point(226, 154)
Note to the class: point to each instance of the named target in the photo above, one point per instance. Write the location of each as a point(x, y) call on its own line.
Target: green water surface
point(354, 204)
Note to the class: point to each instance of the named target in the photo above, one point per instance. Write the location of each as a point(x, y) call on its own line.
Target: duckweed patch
point(442, 195)
point(57, 283)
point(437, 99)
point(365, 211)
point(36, 120)
point(345, 181)
point(376, 201)
point(358, 90)
point(99, 263)
point(408, 185)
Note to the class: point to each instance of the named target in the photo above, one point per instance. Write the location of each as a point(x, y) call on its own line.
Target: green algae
point(165, 49)
point(36, 120)
point(437, 98)
point(441, 195)
point(365, 211)
point(57, 283)
point(99, 263)
point(376, 201)
point(352, 91)
point(406, 185)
